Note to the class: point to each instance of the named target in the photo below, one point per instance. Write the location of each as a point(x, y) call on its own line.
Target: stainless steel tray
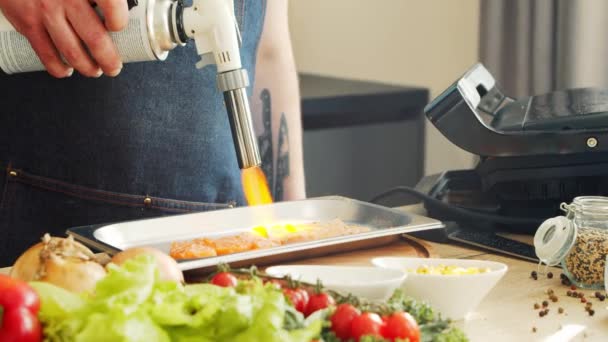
point(386, 226)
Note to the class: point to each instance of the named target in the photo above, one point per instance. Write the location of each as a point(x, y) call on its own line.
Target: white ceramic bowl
point(368, 282)
point(454, 296)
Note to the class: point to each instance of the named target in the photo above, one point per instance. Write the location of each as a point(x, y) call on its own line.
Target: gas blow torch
point(157, 27)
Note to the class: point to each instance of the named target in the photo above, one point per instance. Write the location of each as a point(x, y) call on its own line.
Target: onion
point(62, 262)
point(167, 266)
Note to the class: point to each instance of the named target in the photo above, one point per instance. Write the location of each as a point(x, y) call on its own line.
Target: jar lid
point(553, 240)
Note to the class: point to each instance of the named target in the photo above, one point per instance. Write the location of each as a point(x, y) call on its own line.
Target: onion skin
point(28, 264)
point(61, 262)
point(167, 266)
point(73, 275)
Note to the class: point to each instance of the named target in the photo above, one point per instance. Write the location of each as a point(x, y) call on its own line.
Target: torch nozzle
point(233, 84)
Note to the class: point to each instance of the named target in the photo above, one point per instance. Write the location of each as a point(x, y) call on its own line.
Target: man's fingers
point(69, 45)
point(42, 44)
point(91, 31)
point(115, 12)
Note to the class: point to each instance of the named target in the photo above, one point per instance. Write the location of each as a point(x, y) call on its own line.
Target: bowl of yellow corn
point(454, 287)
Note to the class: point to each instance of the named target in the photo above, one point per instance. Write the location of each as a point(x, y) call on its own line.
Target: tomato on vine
point(401, 325)
point(342, 319)
point(224, 279)
point(366, 324)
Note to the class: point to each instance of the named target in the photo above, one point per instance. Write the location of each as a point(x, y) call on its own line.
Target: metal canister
point(153, 30)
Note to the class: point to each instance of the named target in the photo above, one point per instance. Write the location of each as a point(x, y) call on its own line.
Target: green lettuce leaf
point(132, 304)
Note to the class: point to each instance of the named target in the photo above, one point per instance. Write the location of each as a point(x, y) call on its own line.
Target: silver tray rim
point(85, 234)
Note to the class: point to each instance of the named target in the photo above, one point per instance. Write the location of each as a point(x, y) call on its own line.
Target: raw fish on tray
point(262, 237)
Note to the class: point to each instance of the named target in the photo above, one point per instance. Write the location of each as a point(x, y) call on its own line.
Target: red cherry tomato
point(224, 279)
point(366, 324)
point(295, 297)
point(20, 325)
point(401, 325)
point(305, 299)
point(341, 320)
point(319, 301)
point(19, 305)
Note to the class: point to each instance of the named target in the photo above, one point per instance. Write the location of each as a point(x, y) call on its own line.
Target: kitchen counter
point(329, 102)
point(358, 127)
point(507, 313)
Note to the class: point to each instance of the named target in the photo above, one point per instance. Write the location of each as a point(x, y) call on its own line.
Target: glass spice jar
point(578, 240)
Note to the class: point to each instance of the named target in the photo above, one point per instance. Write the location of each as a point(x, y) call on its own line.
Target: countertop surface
point(335, 102)
point(507, 313)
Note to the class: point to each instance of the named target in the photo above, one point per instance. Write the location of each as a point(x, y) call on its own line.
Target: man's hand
point(68, 28)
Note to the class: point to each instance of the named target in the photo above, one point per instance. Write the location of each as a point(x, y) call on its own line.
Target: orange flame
point(255, 186)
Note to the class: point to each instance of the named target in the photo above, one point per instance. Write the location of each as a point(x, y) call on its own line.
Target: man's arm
point(276, 107)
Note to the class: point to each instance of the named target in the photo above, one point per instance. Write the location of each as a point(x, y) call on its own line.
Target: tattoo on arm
point(282, 158)
point(276, 174)
point(265, 140)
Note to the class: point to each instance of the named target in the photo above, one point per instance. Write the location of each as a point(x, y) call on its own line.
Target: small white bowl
point(454, 296)
point(368, 282)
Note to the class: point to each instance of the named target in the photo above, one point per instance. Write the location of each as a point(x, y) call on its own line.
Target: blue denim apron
point(153, 141)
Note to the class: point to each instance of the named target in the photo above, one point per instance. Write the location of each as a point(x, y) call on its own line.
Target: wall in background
point(427, 43)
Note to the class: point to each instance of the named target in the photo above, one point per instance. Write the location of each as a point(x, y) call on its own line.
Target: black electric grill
point(534, 153)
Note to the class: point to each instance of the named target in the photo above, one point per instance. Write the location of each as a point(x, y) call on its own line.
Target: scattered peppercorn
point(572, 287)
point(560, 310)
point(550, 292)
point(569, 293)
point(534, 275)
point(536, 306)
point(533, 329)
point(550, 275)
point(601, 298)
point(591, 312)
point(541, 313)
point(583, 300)
point(597, 294)
point(545, 303)
point(562, 276)
point(554, 299)
point(589, 304)
point(581, 295)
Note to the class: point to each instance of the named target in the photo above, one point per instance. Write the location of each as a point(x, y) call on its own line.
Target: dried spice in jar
point(577, 241)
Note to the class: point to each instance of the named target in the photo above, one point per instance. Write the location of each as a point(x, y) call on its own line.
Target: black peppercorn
point(597, 294)
point(541, 313)
point(536, 306)
point(534, 275)
point(545, 303)
point(583, 300)
point(569, 293)
point(560, 310)
point(591, 312)
point(550, 275)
